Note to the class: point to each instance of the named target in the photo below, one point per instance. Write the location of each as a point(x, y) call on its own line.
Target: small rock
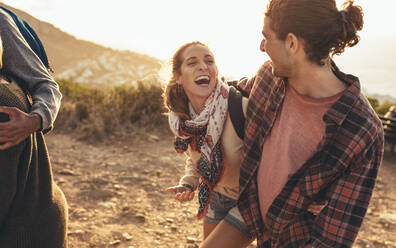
point(99, 181)
point(115, 242)
point(127, 236)
point(108, 204)
point(191, 240)
point(67, 172)
point(111, 163)
point(153, 137)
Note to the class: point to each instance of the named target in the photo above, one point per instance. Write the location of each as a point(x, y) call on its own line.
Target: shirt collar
point(340, 109)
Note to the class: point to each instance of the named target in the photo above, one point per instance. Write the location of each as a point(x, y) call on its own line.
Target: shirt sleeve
point(339, 222)
point(23, 65)
point(244, 85)
point(190, 176)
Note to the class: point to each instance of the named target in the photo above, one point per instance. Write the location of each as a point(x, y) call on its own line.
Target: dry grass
point(97, 113)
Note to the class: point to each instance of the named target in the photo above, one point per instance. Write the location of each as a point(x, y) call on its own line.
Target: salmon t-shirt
point(292, 141)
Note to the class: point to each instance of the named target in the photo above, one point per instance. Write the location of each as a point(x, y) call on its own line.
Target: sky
point(231, 28)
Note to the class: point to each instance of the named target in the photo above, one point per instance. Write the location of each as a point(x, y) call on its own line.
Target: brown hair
point(175, 99)
point(324, 29)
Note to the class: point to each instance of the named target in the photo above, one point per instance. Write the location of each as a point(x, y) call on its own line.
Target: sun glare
point(231, 28)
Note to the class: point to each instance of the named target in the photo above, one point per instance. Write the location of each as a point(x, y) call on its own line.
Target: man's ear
point(292, 43)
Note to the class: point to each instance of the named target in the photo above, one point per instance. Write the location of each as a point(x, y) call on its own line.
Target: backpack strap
point(236, 112)
point(31, 38)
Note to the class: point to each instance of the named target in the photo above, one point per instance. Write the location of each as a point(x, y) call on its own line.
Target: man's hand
point(19, 126)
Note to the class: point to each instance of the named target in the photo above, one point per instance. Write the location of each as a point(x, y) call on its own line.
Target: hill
point(86, 62)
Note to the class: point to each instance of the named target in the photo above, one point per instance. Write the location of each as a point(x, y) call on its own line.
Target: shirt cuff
point(45, 125)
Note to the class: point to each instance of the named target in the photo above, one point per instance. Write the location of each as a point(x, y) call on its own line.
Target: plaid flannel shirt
point(342, 171)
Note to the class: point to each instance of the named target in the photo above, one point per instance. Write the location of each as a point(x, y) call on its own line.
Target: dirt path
point(116, 199)
point(379, 226)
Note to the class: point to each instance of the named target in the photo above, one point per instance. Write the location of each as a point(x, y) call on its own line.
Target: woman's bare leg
point(208, 228)
point(225, 235)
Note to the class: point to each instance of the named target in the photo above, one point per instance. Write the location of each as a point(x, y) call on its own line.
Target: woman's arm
point(190, 176)
point(188, 182)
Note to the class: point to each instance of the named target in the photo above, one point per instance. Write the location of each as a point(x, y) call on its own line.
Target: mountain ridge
point(85, 61)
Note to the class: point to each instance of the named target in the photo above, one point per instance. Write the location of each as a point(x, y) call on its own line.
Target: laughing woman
point(198, 115)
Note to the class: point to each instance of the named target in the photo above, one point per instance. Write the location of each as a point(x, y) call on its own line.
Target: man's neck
point(316, 81)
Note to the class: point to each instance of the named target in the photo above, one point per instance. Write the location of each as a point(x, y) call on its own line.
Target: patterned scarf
point(203, 134)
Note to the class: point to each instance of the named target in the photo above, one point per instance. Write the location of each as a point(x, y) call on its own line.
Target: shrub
point(383, 108)
point(99, 112)
point(374, 102)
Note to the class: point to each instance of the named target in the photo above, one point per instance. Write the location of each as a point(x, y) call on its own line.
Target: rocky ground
point(115, 195)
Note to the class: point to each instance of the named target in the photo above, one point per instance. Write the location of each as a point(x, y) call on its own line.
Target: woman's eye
point(210, 62)
point(191, 63)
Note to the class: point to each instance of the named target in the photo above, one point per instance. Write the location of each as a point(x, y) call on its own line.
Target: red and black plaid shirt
point(342, 171)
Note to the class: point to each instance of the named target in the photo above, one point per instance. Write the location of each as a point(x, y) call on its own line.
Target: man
point(310, 134)
point(22, 64)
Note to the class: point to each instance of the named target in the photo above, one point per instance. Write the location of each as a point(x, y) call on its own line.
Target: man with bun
point(310, 134)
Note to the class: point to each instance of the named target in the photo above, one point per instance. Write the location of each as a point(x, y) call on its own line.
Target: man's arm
point(339, 222)
point(22, 64)
point(244, 85)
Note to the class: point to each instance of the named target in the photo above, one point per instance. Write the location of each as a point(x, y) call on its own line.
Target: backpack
point(31, 38)
point(236, 112)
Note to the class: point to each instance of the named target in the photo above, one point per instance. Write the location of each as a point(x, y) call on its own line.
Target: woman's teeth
point(202, 80)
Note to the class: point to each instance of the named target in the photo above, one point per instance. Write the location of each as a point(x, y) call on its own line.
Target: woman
point(198, 115)
point(33, 210)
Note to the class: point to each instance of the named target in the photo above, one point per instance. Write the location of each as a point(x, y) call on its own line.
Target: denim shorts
point(222, 207)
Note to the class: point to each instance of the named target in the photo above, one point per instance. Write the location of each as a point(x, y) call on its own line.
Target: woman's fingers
point(185, 196)
point(170, 190)
point(175, 189)
point(191, 195)
point(181, 193)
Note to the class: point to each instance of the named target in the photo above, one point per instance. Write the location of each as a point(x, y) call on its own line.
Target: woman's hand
point(182, 193)
point(19, 126)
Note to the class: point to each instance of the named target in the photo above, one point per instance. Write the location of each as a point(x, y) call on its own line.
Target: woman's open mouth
point(202, 80)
